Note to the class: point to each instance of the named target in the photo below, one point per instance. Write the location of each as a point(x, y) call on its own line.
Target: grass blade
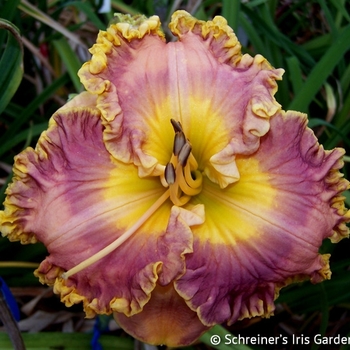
point(90, 13)
point(11, 64)
point(120, 6)
point(34, 12)
point(30, 109)
point(273, 34)
point(295, 73)
point(70, 61)
point(341, 8)
point(67, 341)
point(231, 10)
point(22, 136)
point(252, 33)
point(321, 72)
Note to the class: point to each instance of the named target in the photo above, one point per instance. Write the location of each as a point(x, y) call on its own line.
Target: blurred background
point(43, 43)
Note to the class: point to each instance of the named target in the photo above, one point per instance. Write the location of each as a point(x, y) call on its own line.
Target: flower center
point(183, 180)
point(181, 174)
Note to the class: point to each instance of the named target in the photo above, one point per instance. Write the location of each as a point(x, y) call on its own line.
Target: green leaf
point(11, 64)
point(314, 122)
point(30, 109)
point(231, 10)
point(339, 4)
point(252, 33)
point(319, 43)
point(66, 341)
point(254, 3)
point(308, 297)
point(329, 18)
point(342, 123)
point(321, 72)
point(8, 11)
point(345, 80)
point(271, 33)
point(34, 12)
point(295, 73)
point(36, 130)
point(120, 6)
point(89, 11)
point(70, 60)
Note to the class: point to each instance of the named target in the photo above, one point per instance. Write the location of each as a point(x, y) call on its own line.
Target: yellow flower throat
point(183, 180)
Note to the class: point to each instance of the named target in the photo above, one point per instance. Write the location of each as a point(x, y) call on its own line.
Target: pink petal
point(201, 80)
point(265, 231)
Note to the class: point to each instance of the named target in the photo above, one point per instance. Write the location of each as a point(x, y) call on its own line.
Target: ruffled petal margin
point(200, 80)
point(270, 193)
point(166, 319)
point(264, 232)
point(70, 194)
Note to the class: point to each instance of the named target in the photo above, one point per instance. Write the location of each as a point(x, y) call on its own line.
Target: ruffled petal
point(166, 319)
point(70, 194)
point(239, 90)
point(257, 193)
point(84, 99)
point(222, 98)
point(264, 231)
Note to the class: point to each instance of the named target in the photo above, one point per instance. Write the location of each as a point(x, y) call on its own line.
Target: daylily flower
point(175, 192)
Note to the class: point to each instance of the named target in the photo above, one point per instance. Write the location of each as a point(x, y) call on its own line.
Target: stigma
point(181, 174)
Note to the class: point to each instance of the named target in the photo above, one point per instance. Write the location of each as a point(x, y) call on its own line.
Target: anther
point(176, 125)
point(181, 174)
point(184, 153)
point(179, 142)
point(169, 173)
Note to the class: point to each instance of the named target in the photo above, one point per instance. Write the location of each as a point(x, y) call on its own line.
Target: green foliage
point(309, 39)
point(67, 341)
point(11, 62)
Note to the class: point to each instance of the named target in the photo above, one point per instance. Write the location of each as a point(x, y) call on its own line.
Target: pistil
point(120, 240)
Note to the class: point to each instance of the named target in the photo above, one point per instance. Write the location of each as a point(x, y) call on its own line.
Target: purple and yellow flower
point(175, 192)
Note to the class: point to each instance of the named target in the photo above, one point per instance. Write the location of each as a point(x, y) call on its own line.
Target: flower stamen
point(181, 173)
point(179, 142)
point(120, 240)
point(169, 174)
